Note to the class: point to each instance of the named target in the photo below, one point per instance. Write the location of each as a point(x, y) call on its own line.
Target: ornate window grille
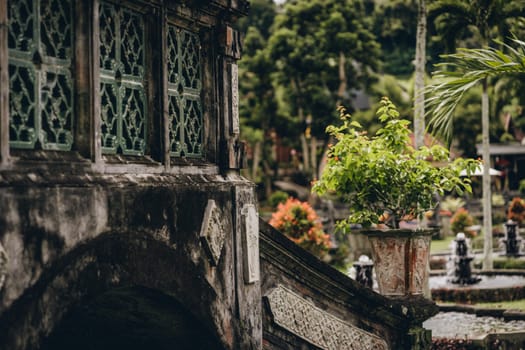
point(122, 74)
point(40, 39)
point(41, 46)
point(184, 93)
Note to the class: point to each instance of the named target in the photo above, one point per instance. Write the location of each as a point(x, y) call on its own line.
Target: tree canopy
point(318, 46)
point(303, 58)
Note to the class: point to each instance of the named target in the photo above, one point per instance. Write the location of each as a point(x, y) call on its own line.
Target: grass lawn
point(441, 245)
point(514, 305)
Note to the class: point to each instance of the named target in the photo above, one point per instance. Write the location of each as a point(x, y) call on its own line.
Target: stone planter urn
point(400, 260)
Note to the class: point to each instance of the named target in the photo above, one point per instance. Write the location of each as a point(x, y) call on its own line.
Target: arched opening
point(114, 289)
point(130, 318)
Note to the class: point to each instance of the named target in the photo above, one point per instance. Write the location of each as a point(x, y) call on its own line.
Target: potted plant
point(387, 182)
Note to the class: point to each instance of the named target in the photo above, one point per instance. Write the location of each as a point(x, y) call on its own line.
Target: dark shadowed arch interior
point(130, 318)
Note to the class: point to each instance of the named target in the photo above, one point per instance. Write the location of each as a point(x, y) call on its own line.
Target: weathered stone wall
point(78, 223)
point(71, 238)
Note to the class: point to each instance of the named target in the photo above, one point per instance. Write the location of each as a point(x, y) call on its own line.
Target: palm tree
point(459, 73)
point(474, 22)
point(478, 20)
point(419, 105)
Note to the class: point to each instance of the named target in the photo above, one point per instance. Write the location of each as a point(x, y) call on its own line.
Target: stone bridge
point(87, 240)
point(124, 221)
point(132, 260)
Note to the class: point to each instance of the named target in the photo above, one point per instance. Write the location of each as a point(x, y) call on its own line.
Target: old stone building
point(124, 222)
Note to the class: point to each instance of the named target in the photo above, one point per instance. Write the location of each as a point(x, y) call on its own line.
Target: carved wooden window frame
point(124, 73)
point(41, 38)
point(87, 88)
point(201, 91)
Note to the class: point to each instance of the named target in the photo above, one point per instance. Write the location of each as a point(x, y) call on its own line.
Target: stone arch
point(108, 262)
point(130, 318)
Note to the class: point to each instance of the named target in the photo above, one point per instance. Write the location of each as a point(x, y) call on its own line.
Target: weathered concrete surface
point(71, 238)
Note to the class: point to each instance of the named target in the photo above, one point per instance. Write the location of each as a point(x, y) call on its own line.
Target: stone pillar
point(96, 145)
point(247, 280)
point(87, 81)
point(232, 150)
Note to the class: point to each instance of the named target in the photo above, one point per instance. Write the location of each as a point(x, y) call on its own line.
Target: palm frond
point(462, 71)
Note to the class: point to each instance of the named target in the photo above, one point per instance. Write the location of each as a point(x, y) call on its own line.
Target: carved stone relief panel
point(235, 98)
point(421, 255)
point(302, 318)
point(251, 243)
point(390, 265)
point(212, 232)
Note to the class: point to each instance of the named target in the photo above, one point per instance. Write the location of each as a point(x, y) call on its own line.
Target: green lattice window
point(184, 93)
point(122, 74)
point(40, 39)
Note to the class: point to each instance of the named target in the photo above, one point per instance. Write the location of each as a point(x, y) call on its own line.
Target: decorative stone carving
point(250, 243)
point(391, 272)
point(304, 319)
point(400, 260)
point(3, 266)
point(421, 256)
point(212, 232)
point(234, 71)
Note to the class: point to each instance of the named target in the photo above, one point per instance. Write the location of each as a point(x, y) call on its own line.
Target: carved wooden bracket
point(232, 42)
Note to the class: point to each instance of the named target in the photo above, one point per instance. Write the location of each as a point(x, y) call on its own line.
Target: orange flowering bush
point(460, 221)
point(300, 223)
point(516, 210)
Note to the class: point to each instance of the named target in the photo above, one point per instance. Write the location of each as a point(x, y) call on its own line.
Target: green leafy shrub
point(276, 198)
point(510, 263)
point(383, 175)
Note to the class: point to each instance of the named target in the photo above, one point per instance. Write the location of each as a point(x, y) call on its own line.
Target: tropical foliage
point(385, 174)
point(470, 67)
point(303, 57)
point(462, 71)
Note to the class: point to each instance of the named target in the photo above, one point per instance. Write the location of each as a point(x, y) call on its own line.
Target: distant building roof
point(502, 149)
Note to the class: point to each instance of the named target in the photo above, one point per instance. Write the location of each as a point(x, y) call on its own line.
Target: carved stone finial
point(212, 232)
